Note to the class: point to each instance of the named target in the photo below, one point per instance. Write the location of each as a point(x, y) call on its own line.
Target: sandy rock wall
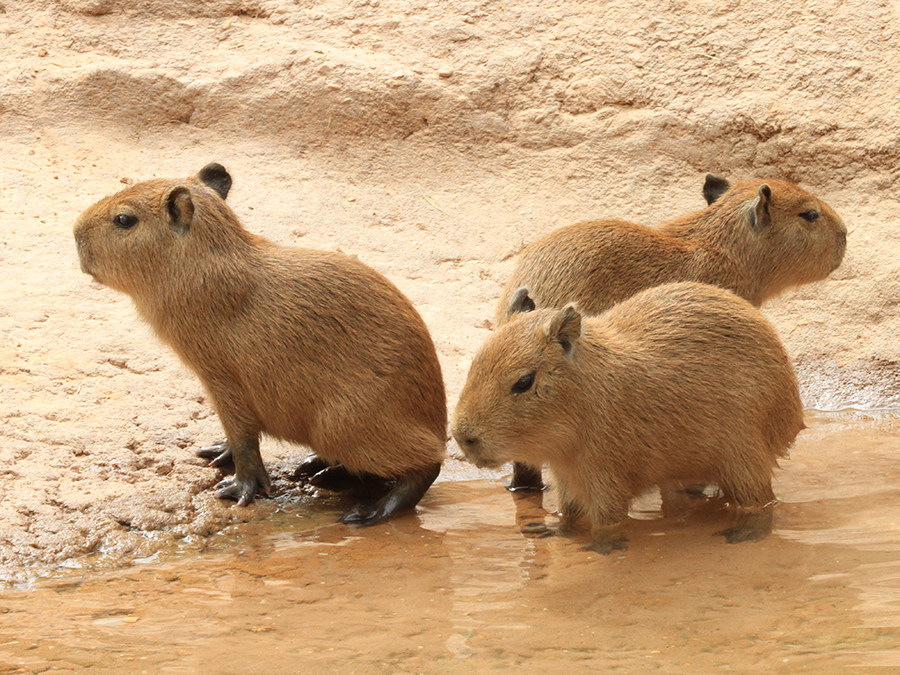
point(431, 139)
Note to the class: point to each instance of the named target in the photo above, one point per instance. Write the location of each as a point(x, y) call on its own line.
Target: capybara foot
point(754, 526)
point(242, 490)
point(338, 479)
point(218, 454)
point(405, 494)
point(526, 478)
point(605, 540)
point(308, 468)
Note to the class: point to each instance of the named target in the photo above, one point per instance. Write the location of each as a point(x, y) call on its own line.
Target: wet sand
point(457, 588)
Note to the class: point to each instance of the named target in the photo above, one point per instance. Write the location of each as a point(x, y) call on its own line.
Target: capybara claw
point(308, 468)
point(218, 454)
point(361, 514)
point(241, 491)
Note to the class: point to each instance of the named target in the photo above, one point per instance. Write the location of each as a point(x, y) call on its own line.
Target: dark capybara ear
point(179, 209)
point(714, 187)
point(521, 302)
point(759, 209)
point(565, 327)
point(215, 177)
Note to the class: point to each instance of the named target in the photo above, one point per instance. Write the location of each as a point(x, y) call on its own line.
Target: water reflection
point(470, 584)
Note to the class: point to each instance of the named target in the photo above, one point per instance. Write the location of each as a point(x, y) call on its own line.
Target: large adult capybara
point(756, 238)
point(681, 382)
point(307, 346)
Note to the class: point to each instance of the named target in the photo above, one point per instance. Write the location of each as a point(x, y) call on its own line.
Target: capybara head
point(129, 241)
point(519, 399)
point(778, 232)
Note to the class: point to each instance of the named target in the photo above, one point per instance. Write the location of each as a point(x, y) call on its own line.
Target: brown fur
point(751, 239)
point(681, 382)
point(307, 346)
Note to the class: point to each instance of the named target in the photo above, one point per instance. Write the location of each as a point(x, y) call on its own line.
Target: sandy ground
point(433, 140)
point(458, 589)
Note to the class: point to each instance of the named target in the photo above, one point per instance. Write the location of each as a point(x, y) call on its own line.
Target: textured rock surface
point(430, 139)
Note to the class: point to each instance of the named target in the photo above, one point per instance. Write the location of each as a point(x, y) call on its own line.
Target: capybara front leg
point(405, 494)
point(526, 478)
point(250, 475)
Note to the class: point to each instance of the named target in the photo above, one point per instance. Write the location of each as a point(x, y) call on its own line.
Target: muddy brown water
point(457, 588)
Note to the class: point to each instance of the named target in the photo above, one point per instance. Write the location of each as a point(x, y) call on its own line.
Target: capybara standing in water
point(755, 238)
point(684, 382)
point(307, 346)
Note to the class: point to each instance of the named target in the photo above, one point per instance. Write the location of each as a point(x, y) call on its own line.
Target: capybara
point(308, 346)
point(756, 238)
point(681, 382)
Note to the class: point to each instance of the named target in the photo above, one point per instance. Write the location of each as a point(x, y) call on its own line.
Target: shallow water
point(457, 588)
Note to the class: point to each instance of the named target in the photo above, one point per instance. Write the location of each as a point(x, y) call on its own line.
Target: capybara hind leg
point(338, 479)
point(526, 478)
point(404, 496)
point(250, 476)
point(309, 467)
point(218, 454)
point(752, 525)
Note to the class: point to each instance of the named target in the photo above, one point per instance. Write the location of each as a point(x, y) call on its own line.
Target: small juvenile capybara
point(756, 238)
point(683, 382)
point(307, 346)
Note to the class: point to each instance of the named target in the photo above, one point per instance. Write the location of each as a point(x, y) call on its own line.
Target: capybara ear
point(215, 177)
point(521, 302)
point(714, 187)
point(179, 209)
point(759, 211)
point(565, 327)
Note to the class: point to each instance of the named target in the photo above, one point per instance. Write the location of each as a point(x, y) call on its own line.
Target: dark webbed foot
point(526, 478)
point(308, 468)
point(753, 526)
point(405, 494)
point(219, 454)
point(337, 479)
point(241, 491)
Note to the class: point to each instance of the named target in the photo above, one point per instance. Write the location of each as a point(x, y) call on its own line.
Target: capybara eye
point(523, 384)
point(810, 216)
point(124, 221)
